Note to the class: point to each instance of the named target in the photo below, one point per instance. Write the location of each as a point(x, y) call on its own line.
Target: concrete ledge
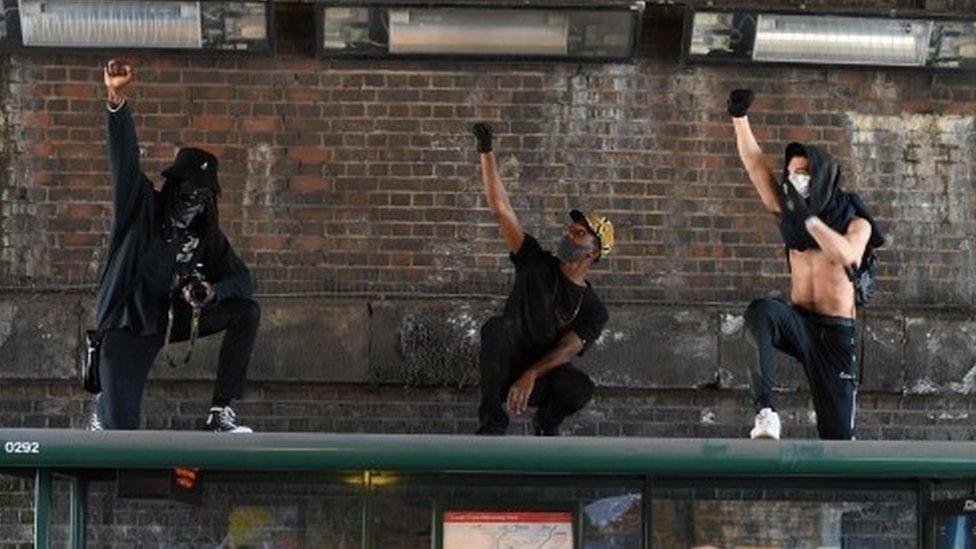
point(40, 336)
point(435, 343)
point(299, 340)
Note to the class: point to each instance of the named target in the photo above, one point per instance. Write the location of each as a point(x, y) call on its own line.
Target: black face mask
point(569, 251)
point(190, 202)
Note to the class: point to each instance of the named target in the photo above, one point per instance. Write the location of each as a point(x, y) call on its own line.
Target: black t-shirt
point(544, 305)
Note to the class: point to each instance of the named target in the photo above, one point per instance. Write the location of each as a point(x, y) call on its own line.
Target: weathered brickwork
point(352, 190)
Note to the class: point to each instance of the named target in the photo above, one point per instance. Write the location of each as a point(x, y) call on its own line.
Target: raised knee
point(759, 309)
point(582, 394)
point(493, 328)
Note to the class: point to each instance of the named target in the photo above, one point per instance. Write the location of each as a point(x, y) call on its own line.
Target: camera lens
point(198, 292)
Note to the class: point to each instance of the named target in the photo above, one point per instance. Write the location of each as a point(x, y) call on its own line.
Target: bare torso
point(820, 284)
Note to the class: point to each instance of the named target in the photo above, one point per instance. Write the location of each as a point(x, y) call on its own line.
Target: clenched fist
point(483, 133)
point(118, 75)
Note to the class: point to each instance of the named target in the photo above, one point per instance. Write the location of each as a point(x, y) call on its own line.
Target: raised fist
point(739, 102)
point(482, 131)
point(118, 75)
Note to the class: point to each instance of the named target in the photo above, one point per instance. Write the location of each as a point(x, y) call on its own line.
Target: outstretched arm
point(757, 165)
point(123, 147)
point(498, 202)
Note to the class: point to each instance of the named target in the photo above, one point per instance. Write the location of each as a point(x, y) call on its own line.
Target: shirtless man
point(826, 231)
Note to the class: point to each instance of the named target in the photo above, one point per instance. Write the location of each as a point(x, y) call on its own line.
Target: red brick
point(42, 149)
point(81, 91)
point(309, 155)
point(263, 124)
point(210, 123)
point(84, 211)
point(309, 243)
point(308, 183)
point(72, 150)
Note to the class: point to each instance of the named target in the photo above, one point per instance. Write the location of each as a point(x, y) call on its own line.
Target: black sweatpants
point(824, 345)
point(559, 393)
point(126, 358)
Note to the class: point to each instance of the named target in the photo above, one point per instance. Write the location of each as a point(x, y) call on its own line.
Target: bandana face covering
point(569, 251)
point(192, 201)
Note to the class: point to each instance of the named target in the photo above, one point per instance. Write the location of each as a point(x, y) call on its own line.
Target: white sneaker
point(767, 425)
point(224, 420)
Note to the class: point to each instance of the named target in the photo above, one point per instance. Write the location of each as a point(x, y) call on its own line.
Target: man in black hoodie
point(170, 271)
point(826, 231)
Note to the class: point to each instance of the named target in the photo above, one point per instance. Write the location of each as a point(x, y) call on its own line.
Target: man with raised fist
point(552, 314)
point(170, 275)
point(828, 234)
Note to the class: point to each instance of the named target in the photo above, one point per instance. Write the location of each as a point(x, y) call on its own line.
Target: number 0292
point(19, 447)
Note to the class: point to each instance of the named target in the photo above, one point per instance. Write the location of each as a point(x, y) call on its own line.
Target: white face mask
point(802, 183)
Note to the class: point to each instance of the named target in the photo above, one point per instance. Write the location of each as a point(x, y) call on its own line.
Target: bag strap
point(851, 271)
point(860, 360)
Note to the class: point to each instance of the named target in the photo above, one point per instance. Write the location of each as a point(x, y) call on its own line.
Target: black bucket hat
point(195, 166)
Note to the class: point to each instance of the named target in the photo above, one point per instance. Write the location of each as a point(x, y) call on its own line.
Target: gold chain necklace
point(555, 304)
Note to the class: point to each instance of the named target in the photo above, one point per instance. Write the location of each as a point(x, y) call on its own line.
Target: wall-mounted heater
point(583, 32)
point(744, 36)
point(203, 26)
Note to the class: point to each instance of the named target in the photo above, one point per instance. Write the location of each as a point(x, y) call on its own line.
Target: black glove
point(483, 132)
point(739, 102)
point(795, 204)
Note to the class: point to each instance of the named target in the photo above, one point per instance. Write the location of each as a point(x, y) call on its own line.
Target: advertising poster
point(508, 529)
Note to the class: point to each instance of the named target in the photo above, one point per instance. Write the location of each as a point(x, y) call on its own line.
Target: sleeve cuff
point(116, 108)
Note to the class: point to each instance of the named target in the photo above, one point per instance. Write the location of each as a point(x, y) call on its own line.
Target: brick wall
point(360, 176)
point(352, 190)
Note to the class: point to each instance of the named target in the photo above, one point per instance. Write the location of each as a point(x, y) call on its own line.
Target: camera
point(198, 290)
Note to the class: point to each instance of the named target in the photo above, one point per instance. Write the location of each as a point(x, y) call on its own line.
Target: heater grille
point(83, 23)
point(841, 40)
point(583, 33)
point(745, 36)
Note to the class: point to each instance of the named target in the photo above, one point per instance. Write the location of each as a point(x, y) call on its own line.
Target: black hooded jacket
point(136, 239)
point(828, 200)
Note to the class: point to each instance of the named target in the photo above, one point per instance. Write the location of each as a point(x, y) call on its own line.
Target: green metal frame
point(651, 464)
point(71, 449)
point(76, 519)
point(42, 509)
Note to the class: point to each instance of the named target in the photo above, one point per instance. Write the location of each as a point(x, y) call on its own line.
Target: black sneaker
point(542, 430)
point(223, 420)
point(491, 429)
